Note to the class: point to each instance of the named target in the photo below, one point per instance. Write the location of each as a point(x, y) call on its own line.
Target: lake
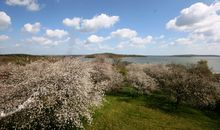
point(213, 62)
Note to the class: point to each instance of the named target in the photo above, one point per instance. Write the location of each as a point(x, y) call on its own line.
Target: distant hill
point(111, 55)
point(30, 55)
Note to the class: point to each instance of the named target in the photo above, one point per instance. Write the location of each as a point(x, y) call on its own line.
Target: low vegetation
point(153, 112)
point(21, 59)
point(111, 55)
point(66, 93)
point(194, 84)
point(53, 95)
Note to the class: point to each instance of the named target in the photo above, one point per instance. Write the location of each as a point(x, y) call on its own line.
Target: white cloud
point(41, 40)
point(47, 41)
point(124, 33)
point(91, 25)
point(191, 16)
point(183, 41)
point(31, 5)
point(95, 39)
point(3, 38)
point(200, 21)
point(123, 38)
point(51, 37)
point(122, 45)
point(130, 37)
point(32, 28)
point(5, 20)
point(56, 33)
point(74, 22)
point(99, 22)
point(138, 41)
point(191, 39)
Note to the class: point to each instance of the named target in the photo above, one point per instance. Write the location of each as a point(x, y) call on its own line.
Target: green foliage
point(120, 65)
point(217, 76)
point(201, 68)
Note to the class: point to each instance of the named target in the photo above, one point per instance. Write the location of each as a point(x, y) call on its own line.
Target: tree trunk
point(178, 101)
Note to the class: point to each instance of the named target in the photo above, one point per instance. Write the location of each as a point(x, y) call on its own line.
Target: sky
point(146, 27)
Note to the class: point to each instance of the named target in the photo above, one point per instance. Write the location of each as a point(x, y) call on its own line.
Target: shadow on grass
point(124, 92)
point(127, 93)
point(126, 109)
point(159, 100)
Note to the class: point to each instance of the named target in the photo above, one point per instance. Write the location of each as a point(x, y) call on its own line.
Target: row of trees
point(193, 84)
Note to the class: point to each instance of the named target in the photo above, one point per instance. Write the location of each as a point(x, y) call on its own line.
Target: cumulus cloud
point(200, 20)
point(31, 5)
point(191, 39)
point(95, 39)
point(91, 25)
point(51, 37)
point(130, 37)
point(138, 41)
point(74, 22)
point(124, 33)
point(99, 22)
point(3, 38)
point(5, 20)
point(125, 37)
point(57, 33)
point(46, 41)
point(40, 40)
point(32, 28)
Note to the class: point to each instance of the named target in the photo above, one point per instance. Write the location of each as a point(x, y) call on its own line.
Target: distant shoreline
point(112, 55)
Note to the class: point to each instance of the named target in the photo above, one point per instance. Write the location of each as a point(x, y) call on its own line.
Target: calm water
point(213, 62)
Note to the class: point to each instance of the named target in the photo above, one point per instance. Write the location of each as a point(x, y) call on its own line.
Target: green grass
point(126, 112)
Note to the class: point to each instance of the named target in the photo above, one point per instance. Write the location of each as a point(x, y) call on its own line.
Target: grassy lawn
point(124, 112)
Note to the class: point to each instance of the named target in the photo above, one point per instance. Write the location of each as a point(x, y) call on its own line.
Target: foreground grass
point(125, 112)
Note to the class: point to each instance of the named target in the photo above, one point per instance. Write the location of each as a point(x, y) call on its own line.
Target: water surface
point(213, 62)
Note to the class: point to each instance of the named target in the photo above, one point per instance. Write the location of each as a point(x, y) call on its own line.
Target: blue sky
point(148, 27)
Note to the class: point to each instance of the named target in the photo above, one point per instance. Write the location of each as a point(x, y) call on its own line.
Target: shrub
point(50, 95)
point(120, 65)
point(191, 84)
point(139, 79)
point(100, 58)
point(106, 72)
point(201, 68)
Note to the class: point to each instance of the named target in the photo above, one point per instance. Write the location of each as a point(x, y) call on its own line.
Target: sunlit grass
point(142, 113)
